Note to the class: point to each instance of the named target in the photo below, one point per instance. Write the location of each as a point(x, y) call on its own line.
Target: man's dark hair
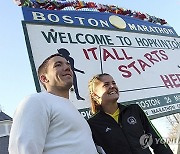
point(43, 67)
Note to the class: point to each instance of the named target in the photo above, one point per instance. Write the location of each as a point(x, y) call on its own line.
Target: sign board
point(100, 20)
point(145, 66)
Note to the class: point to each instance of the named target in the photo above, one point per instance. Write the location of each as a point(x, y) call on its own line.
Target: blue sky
point(16, 80)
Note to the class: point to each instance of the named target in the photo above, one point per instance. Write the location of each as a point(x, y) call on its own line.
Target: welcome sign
point(145, 66)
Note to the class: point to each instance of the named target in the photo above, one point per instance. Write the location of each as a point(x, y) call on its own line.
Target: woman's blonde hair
point(95, 106)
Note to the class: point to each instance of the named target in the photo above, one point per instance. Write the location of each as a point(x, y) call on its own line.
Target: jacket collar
point(120, 106)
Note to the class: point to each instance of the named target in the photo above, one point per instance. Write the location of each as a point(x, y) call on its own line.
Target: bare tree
point(174, 135)
point(178, 150)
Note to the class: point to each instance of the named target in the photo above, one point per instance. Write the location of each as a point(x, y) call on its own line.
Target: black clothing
point(130, 135)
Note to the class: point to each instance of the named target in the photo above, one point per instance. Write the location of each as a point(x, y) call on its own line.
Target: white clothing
point(48, 124)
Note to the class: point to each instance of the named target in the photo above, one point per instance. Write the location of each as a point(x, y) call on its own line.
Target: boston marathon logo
point(96, 20)
point(117, 22)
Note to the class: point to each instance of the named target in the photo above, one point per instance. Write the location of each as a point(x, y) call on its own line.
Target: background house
point(5, 126)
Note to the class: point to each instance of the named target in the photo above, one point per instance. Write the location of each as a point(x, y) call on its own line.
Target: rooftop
point(4, 116)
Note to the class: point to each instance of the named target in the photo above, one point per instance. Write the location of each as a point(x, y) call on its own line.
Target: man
point(47, 122)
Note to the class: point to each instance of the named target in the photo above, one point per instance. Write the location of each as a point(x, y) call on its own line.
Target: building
point(5, 126)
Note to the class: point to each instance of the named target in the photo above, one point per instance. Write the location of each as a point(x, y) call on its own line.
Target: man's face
point(107, 90)
point(59, 74)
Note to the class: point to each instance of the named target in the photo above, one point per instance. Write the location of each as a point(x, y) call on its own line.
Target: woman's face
point(106, 90)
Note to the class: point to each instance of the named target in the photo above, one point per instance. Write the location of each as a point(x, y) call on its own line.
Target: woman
point(119, 129)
